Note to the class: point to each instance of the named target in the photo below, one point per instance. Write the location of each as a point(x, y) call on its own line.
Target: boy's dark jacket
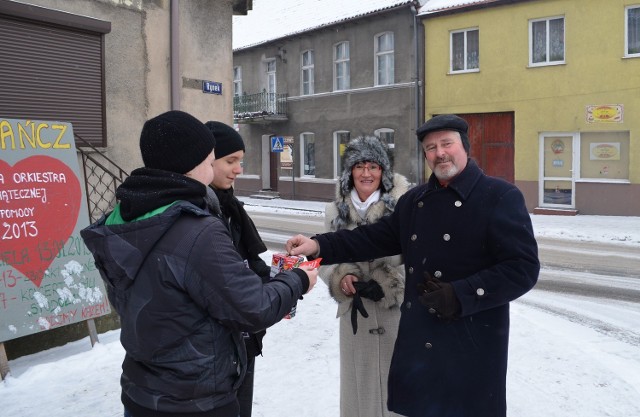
point(184, 295)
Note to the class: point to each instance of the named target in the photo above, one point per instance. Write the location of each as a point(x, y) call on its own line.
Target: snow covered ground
point(569, 355)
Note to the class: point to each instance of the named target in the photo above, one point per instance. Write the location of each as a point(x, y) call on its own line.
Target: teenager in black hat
point(182, 292)
point(469, 250)
point(227, 166)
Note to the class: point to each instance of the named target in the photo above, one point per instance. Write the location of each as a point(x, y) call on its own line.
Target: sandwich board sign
point(48, 277)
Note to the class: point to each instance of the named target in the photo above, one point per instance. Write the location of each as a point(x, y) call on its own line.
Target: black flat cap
point(443, 122)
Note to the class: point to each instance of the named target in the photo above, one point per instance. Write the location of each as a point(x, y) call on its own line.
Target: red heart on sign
point(39, 205)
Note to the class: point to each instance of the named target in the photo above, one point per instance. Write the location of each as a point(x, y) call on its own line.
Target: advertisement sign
point(47, 276)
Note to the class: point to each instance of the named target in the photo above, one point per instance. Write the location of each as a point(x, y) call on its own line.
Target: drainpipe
point(420, 174)
point(175, 54)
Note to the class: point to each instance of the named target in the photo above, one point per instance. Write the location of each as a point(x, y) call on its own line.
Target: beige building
point(109, 65)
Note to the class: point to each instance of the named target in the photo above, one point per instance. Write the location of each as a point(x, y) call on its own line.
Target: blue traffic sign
point(277, 144)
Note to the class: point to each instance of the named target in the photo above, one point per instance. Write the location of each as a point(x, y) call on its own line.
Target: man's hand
point(302, 245)
point(439, 297)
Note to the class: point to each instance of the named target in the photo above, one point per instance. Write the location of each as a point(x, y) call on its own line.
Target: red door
point(492, 143)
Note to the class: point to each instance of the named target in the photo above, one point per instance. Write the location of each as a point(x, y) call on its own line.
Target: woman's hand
point(346, 285)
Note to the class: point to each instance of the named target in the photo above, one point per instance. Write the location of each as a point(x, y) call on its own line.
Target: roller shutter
point(52, 72)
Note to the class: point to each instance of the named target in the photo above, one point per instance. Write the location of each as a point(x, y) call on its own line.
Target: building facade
point(310, 92)
point(109, 65)
point(552, 93)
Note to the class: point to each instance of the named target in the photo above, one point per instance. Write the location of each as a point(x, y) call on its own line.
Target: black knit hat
point(175, 141)
point(228, 140)
point(445, 122)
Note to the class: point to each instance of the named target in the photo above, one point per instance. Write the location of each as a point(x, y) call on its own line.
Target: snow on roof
point(434, 6)
point(275, 19)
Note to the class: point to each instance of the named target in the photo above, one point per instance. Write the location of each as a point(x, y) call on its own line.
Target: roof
point(269, 20)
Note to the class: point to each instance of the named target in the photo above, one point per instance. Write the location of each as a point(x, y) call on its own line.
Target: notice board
point(48, 277)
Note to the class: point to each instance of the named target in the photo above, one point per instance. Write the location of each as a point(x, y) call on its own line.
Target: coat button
point(414, 237)
point(480, 292)
point(420, 204)
point(432, 310)
point(408, 304)
point(446, 237)
point(458, 203)
point(437, 274)
point(428, 345)
point(411, 270)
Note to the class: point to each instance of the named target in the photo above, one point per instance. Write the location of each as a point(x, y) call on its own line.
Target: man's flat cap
point(442, 122)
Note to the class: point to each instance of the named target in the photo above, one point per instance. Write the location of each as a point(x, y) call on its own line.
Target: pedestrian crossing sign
point(277, 144)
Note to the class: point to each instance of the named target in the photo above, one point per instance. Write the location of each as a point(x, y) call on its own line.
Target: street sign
point(211, 87)
point(277, 144)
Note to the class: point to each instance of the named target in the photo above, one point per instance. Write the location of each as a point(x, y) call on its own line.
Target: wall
point(359, 110)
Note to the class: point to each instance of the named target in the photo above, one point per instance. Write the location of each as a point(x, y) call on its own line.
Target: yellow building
point(551, 89)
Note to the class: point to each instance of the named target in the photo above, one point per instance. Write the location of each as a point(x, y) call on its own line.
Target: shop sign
point(607, 113)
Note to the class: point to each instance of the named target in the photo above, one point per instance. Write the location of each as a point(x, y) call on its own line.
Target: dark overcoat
point(476, 234)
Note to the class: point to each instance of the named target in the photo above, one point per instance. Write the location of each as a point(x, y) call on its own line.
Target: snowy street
point(570, 354)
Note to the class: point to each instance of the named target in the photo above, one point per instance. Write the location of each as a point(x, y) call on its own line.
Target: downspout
point(175, 54)
point(420, 174)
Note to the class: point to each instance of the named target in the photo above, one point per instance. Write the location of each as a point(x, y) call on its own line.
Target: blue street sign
point(277, 144)
point(211, 87)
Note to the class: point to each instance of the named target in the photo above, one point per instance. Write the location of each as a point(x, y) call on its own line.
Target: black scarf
point(233, 209)
point(147, 189)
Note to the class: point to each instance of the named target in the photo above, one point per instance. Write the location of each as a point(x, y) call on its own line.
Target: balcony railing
point(261, 106)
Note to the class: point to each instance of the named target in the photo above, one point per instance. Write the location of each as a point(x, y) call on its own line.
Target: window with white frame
point(237, 81)
point(387, 136)
point(271, 86)
point(465, 50)
point(632, 31)
point(308, 154)
point(307, 72)
point(384, 50)
point(341, 69)
point(546, 41)
point(340, 140)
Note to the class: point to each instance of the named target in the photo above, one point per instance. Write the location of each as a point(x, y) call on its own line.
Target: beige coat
point(365, 357)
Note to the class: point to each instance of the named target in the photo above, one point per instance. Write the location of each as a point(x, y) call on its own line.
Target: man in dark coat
point(469, 249)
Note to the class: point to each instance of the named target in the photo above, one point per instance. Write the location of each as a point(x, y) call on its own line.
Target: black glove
point(367, 289)
point(439, 297)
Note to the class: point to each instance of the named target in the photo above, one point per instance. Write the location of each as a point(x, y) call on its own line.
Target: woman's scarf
point(362, 206)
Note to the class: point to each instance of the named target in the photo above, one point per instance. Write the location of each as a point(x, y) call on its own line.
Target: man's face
point(445, 154)
point(203, 172)
point(227, 169)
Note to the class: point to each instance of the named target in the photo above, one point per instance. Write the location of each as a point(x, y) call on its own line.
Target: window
point(340, 141)
point(308, 154)
point(386, 135)
point(604, 156)
point(271, 86)
point(384, 59)
point(307, 73)
point(632, 29)
point(465, 52)
point(237, 81)
point(546, 41)
point(341, 66)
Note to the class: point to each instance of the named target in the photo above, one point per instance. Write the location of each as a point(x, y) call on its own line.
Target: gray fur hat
point(371, 149)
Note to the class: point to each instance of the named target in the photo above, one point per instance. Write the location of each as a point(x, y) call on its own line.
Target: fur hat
point(228, 140)
point(446, 122)
point(371, 149)
point(175, 141)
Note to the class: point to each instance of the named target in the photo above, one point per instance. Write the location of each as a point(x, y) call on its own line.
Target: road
point(581, 268)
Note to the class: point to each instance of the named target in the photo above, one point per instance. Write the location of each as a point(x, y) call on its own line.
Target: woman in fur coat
point(369, 294)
